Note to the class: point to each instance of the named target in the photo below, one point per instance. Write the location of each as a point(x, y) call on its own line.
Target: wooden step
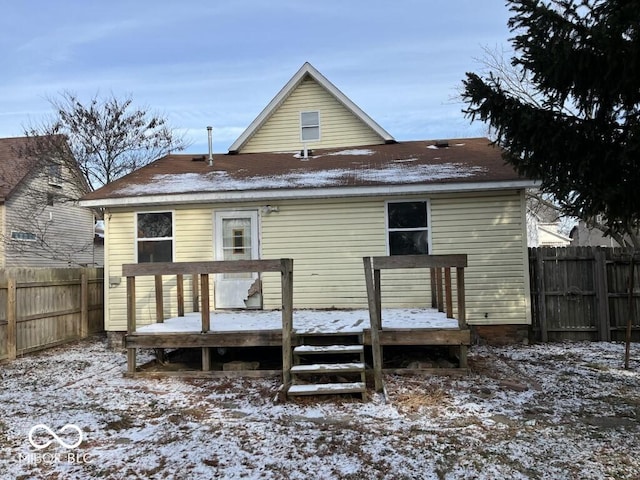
point(327, 389)
point(329, 368)
point(328, 349)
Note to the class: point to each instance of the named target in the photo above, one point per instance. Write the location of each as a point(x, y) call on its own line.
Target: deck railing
point(203, 270)
point(441, 292)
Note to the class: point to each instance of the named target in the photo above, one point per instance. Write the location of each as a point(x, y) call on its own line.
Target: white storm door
point(236, 238)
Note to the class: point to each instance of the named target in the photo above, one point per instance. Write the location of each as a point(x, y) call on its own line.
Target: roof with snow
point(397, 168)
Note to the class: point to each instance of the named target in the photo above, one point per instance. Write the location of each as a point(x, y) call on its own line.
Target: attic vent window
point(55, 175)
point(309, 126)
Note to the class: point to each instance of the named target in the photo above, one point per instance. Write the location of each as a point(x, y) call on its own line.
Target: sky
point(205, 62)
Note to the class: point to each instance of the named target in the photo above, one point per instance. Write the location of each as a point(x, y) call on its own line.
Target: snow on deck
point(304, 321)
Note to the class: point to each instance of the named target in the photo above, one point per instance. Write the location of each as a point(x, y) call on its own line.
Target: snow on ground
point(556, 411)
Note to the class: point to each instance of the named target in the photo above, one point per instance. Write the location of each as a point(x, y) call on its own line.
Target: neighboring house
point(584, 236)
point(550, 236)
point(41, 223)
point(315, 179)
point(544, 224)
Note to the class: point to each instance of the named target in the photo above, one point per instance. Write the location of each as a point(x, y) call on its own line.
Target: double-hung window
point(310, 126)
point(155, 237)
point(408, 227)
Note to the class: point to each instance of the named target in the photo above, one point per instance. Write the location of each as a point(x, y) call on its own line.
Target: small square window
point(309, 126)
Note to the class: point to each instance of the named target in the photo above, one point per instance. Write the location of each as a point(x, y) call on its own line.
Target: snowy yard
point(561, 411)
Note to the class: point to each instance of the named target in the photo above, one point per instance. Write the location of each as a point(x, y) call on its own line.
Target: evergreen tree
point(579, 132)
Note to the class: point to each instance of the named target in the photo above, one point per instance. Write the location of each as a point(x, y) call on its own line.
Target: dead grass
point(415, 402)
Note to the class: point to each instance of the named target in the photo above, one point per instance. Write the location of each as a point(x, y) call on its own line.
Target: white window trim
point(35, 239)
point(386, 222)
point(155, 239)
point(310, 126)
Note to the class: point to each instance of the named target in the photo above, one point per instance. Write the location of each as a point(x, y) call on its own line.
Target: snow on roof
point(474, 161)
point(222, 181)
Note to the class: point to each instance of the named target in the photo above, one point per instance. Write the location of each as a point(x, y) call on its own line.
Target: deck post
point(180, 293)
point(159, 299)
point(286, 278)
point(462, 313)
point(194, 292)
point(434, 298)
point(206, 320)
point(447, 292)
point(131, 321)
point(439, 299)
point(375, 320)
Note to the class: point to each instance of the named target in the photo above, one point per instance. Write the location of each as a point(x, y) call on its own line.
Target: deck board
point(263, 328)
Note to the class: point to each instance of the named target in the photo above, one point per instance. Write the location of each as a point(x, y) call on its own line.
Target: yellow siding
point(489, 229)
point(338, 126)
point(119, 249)
point(327, 239)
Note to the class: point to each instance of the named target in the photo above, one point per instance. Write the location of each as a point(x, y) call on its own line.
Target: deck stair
point(328, 364)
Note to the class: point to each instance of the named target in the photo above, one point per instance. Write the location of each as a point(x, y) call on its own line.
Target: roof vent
point(441, 143)
point(201, 158)
point(209, 132)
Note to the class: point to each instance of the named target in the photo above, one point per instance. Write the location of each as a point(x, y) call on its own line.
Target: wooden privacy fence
point(42, 307)
point(582, 293)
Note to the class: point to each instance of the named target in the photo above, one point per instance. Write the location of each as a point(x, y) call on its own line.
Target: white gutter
point(305, 193)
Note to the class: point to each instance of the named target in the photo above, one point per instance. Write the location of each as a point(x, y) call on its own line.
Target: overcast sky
point(206, 62)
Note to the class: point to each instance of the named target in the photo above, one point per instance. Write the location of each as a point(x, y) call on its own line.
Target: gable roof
point(307, 70)
point(389, 169)
point(14, 164)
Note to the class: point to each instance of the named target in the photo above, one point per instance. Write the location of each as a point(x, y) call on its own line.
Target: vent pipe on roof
point(209, 132)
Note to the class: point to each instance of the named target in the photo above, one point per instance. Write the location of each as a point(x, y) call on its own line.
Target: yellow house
point(315, 179)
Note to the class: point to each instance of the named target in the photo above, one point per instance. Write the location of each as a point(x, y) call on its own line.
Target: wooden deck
point(203, 329)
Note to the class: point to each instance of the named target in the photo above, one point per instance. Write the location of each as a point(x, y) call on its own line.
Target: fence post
point(84, 305)
point(602, 295)
point(12, 330)
point(542, 299)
